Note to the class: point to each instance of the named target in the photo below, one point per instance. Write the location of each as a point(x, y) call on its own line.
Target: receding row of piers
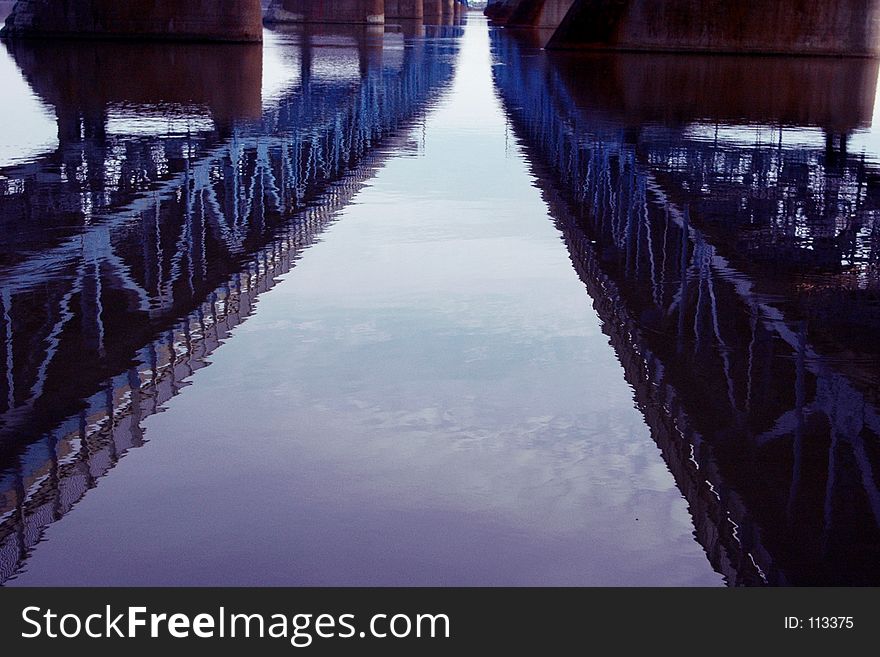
point(207, 20)
point(781, 27)
point(360, 11)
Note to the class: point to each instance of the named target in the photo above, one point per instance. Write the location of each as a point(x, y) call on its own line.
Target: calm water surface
point(473, 314)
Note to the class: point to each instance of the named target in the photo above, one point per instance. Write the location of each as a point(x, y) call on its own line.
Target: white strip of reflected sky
point(27, 124)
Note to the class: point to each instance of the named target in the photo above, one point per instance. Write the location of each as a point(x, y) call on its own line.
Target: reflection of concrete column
point(835, 147)
point(367, 41)
point(69, 125)
point(370, 43)
point(75, 124)
point(305, 62)
point(239, 95)
point(82, 78)
point(409, 28)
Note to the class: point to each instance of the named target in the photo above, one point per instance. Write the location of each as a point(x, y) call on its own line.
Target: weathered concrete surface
point(539, 13)
point(437, 13)
point(326, 11)
point(433, 12)
point(802, 27)
point(205, 20)
point(498, 11)
point(404, 9)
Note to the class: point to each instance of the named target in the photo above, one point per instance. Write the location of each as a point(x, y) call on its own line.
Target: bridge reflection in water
point(730, 243)
point(727, 237)
point(177, 194)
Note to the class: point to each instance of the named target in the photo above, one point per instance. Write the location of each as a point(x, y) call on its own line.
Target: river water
point(431, 306)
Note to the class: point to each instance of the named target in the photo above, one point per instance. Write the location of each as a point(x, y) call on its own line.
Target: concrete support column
point(782, 27)
point(498, 11)
point(539, 13)
point(198, 20)
point(404, 9)
point(371, 12)
point(433, 12)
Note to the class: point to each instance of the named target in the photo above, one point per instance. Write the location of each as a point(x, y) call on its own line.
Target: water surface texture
point(431, 306)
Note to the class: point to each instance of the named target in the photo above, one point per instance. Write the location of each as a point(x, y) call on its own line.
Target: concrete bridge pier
point(370, 12)
point(433, 12)
point(498, 11)
point(538, 13)
point(413, 9)
point(783, 27)
point(193, 20)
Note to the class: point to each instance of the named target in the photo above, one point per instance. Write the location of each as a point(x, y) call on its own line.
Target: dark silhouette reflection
point(732, 252)
point(131, 251)
point(407, 27)
point(87, 78)
point(634, 89)
point(176, 97)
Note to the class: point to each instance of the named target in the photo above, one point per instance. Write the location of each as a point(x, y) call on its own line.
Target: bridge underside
point(787, 27)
